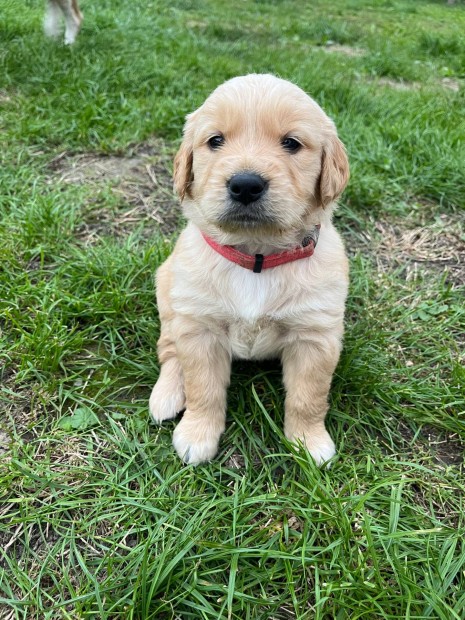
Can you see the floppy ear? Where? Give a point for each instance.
(334, 171)
(182, 169)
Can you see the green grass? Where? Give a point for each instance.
(98, 518)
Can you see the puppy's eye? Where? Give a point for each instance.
(291, 145)
(215, 142)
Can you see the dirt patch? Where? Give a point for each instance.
(445, 448)
(4, 97)
(23, 411)
(4, 445)
(140, 180)
(398, 84)
(236, 461)
(194, 23)
(438, 246)
(448, 83)
(346, 50)
(451, 84)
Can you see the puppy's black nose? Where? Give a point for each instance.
(246, 187)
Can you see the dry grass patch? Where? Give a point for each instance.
(345, 50)
(20, 408)
(398, 84)
(141, 180)
(4, 444)
(5, 97)
(438, 245)
(451, 84)
(404, 85)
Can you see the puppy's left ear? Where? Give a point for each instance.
(334, 172)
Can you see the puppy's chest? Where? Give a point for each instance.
(258, 311)
(255, 327)
(254, 297)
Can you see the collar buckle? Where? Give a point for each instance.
(258, 265)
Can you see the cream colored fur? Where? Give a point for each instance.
(213, 310)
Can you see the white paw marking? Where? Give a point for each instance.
(320, 445)
(193, 444)
(167, 398)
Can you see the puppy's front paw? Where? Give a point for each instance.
(167, 398)
(194, 441)
(317, 441)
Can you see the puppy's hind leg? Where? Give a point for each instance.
(167, 398)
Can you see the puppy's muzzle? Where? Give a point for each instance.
(246, 205)
(246, 187)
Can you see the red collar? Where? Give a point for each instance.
(258, 262)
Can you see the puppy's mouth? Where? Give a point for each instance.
(255, 215)
(246, 203)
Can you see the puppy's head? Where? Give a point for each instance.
(259, 156)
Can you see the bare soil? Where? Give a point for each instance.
(444, 447)
(346, 50)
(141, 182)
(437, 245)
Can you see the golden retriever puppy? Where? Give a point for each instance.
(259, 271)
(55, 10)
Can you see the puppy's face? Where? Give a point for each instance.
(258, 156)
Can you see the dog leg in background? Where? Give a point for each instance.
(72, 15)
(206, 363)
(73, 19)
(52, 19)
(307, 370)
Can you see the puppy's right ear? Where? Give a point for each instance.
(182, 170)
(183, 161)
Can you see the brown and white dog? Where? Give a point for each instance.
(55, 10)
(258, 171)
